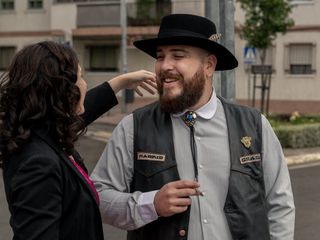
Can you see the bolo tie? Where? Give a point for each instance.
(189, 119)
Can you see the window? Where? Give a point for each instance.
(35, 4)
(6, 55)
(70, 1)
(6, 4)
(300, 58)
(102, 58)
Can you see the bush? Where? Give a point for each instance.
(292, 119)
(298, 136)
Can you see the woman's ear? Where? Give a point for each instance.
(210, 65)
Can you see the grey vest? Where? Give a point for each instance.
(245, 206)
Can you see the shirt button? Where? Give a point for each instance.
(205, 220)
(199, 138)
(182, 233)
(200, 166)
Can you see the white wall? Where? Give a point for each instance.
(64, 17)
(23, 19)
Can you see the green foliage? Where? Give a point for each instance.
(150, 12)
(292, 119)
(144, 7)
(298, 136)
(295, 130)
(263, 20)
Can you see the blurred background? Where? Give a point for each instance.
(282, 79)
(103, 39)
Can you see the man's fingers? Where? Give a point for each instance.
(184, 184)
(186, 192)
(178, 209)
(181, 202)
(174, 197)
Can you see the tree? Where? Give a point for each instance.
(263, 20)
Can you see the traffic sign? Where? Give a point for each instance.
(249, 55)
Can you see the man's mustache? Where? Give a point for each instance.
(166, 74)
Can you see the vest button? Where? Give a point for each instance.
(182, 233)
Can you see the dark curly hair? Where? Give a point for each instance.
(39, 88)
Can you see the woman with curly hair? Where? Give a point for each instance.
(44, 108)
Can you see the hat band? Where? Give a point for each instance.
(172, 32)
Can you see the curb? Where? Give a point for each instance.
(302, 159)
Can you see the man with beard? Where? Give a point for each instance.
(194, 166)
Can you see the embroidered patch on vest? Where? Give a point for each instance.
(246, 141)
(250, 158)
(151, 156)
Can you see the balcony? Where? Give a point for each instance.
(106, 14)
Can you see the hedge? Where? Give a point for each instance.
(298, 136)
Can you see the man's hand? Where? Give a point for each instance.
(174, 197)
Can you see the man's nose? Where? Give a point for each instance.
(167, 64)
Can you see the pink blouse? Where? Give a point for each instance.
(85, 175)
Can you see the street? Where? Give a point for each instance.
(306, 185)
(305, 182)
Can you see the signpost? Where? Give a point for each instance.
(222, 14)
(123, 23)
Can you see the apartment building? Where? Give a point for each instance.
(93, 28)
(294, 58)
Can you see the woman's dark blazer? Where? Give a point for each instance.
(48, 197)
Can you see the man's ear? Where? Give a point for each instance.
(210, 65)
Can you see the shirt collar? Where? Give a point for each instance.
(207, 111)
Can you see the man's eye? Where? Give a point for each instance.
(178, 56)
(159, 57)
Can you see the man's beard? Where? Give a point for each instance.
(192, 91)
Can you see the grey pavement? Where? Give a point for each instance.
(5, 231)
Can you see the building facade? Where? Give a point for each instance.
(93, 28)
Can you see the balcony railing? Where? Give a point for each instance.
(147, 13)
(108, 13)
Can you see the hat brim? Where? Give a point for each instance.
(225, 59)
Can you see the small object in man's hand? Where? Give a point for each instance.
(199, 193)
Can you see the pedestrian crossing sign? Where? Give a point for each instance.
(249, 55)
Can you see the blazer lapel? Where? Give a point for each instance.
(43, 134)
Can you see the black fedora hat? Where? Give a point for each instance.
(186, 29)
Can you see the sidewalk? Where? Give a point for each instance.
(114, 116)
(101, 130)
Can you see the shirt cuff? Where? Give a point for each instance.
(146, 207)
